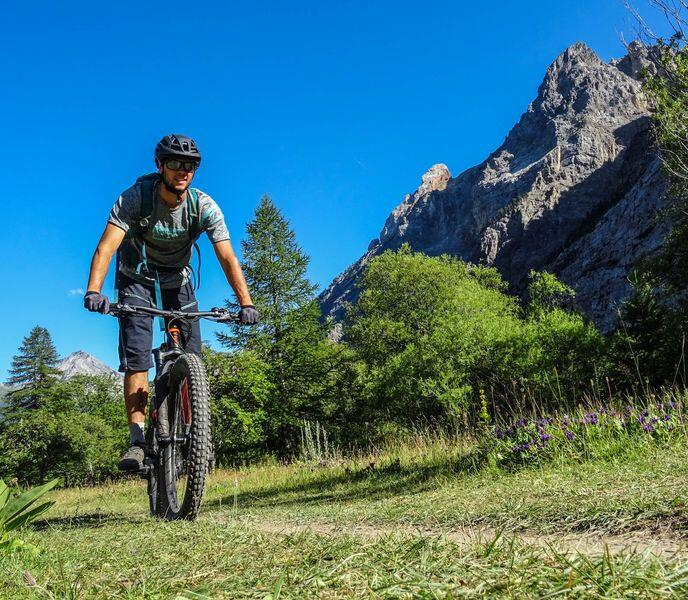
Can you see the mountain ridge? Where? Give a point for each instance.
(573, 190)
(74, 364)
(83, 363)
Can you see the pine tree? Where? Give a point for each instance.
(275, 269)
(290, 337)
(32, 368)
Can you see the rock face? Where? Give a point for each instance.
(82, 363)
(573, 190)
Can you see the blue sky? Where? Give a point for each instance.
(335, 109)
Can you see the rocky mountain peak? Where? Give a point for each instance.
(573, 190)
(575, 54)
(579, 81)
(83, 363)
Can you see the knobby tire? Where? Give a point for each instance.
(196, 453)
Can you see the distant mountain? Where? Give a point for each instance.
(83, 363)
(77, 363)
(5, 389)
(575, 189)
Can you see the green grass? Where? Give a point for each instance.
(98, 542)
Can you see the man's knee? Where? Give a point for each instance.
(136, 378)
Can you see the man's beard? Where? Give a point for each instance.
(173, 190)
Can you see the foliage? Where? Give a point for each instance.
(301, 366)
(547, 293)
(667, 88)
(432, 333)
(32, 369)
(15, 512)
(587, 433)
(76, 433)
(648, 343)
(240, 391)
(275, 270)
(40, 445)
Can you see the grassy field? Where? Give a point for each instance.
(411, 521)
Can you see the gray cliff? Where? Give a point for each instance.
(574, 189)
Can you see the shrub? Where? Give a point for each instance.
(40, 445)
(240, 390)
(433, 332)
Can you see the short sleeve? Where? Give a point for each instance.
(212, 220)
(126, 209)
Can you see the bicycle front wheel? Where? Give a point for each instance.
(184, 459)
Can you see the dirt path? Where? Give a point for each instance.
(663, 544)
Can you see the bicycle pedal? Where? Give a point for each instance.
(144, 472)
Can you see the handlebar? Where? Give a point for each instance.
(221, 315)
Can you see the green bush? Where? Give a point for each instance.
(240, 391)
(435, 334)
(41, 445)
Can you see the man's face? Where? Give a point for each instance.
(178, 180)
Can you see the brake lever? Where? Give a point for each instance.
(223, 315)
(120, 309)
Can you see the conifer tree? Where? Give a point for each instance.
(32, 368)
(290, 337)
(275, 269)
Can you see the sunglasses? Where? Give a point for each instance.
(181, 165)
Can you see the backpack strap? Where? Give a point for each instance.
(148, 183)
(195, 231)
(194, 215)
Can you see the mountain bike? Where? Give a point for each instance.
(178, 442)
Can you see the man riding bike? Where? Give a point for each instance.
(154, 226)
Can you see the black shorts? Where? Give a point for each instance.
(136, 331)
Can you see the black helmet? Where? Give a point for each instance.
(178, 146)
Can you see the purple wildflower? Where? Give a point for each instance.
(544, 437)
(569, 435)
(591, 418)
(667, 417)
(649, 428)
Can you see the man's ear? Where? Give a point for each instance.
(159, 165)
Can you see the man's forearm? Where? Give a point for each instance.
(100, 263)
(235, 278)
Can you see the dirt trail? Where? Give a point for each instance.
(662, 544)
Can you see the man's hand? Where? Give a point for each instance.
(248, 315)
(96, 302)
